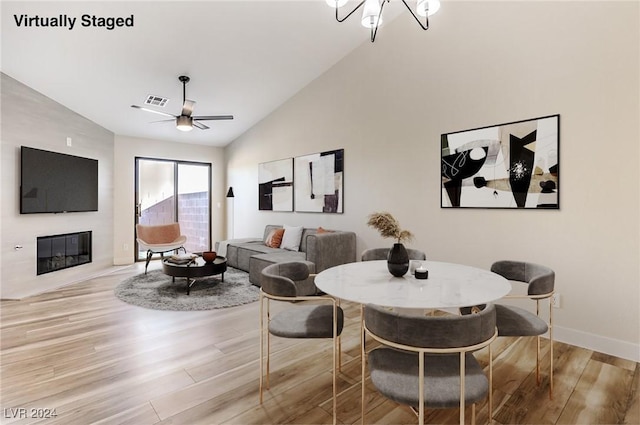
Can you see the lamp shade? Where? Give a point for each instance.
(371, 14)
(184, 123)
(427, 7)
(336, 3)
(230, 193)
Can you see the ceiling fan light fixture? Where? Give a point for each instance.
(184, 123)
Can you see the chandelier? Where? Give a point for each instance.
(372, 12)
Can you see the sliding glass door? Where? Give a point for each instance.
(169, 191)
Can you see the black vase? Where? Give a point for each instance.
(398, 260)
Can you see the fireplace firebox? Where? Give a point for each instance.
(57, 252)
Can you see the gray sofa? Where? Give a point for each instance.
(319, 250)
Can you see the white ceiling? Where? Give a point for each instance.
(244, 58)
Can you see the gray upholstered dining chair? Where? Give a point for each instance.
(427, 361)
(382, 253)
(516, 321)
(317, 320)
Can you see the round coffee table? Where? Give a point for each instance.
(196, 268)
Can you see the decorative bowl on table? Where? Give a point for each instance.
(209, 256)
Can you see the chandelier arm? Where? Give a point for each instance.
(426, 19)
(375, 31)
(350, 13)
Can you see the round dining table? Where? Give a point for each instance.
(448, 285)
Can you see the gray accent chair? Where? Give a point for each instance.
(516, 321)
(382, 254)
(427, 361)
(280, 282)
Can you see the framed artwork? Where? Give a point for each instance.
(275, 185)
(512, 165)
(319, 182)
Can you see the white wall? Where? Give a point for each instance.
(126, 150)
(31, 119)
(484, 63)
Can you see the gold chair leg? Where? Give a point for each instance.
(490, 384)
(462, 385)
(261, 344)
(421, 388)
(538, 347)
(362, 360)
(268, 345)
(473, 414)
(339, 346)
(550, 350)
(335, 353)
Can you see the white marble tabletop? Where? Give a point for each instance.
(448, 285)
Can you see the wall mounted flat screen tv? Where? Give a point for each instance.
(52, 182)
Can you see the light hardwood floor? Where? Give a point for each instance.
(96, 360)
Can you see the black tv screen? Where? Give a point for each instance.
(52, 182)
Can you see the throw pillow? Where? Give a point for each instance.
(321, 230)
(292, 237)
(274, 239)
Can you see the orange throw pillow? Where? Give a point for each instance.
(321, 230)
(275, 238)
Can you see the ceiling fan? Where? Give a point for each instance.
(185, 121)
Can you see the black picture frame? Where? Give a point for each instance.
(513, 165)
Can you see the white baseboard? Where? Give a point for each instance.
(613, 347)
(122, 261)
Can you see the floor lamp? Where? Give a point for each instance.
(230, 197)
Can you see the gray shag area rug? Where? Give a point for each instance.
(155, 290)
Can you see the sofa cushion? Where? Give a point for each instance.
(238, 255)
(292, 238)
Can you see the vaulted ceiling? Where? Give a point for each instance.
(244, 58)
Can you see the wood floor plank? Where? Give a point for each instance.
(633, 409)
(600, 396)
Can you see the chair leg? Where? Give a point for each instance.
(149, 254)
(261, 344)
(339, 346)
(490, 384)
(362, 361)
(550, 350)
(335, 354)
(462, 385)
(538, 347)
(268, 345)
(421, 388)
(473, 414)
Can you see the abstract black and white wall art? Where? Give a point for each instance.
(319, 182)
(512, 165)
(275, 185)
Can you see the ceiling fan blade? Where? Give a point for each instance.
(151, 110)
(200, 125)
(213, 117)
(187, 107)
(172, 120)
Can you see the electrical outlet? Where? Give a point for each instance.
(69, 141)
(125, 247)
(555, 300)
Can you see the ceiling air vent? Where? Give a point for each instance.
(156, 100)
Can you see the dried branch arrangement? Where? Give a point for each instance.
(389, 227)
